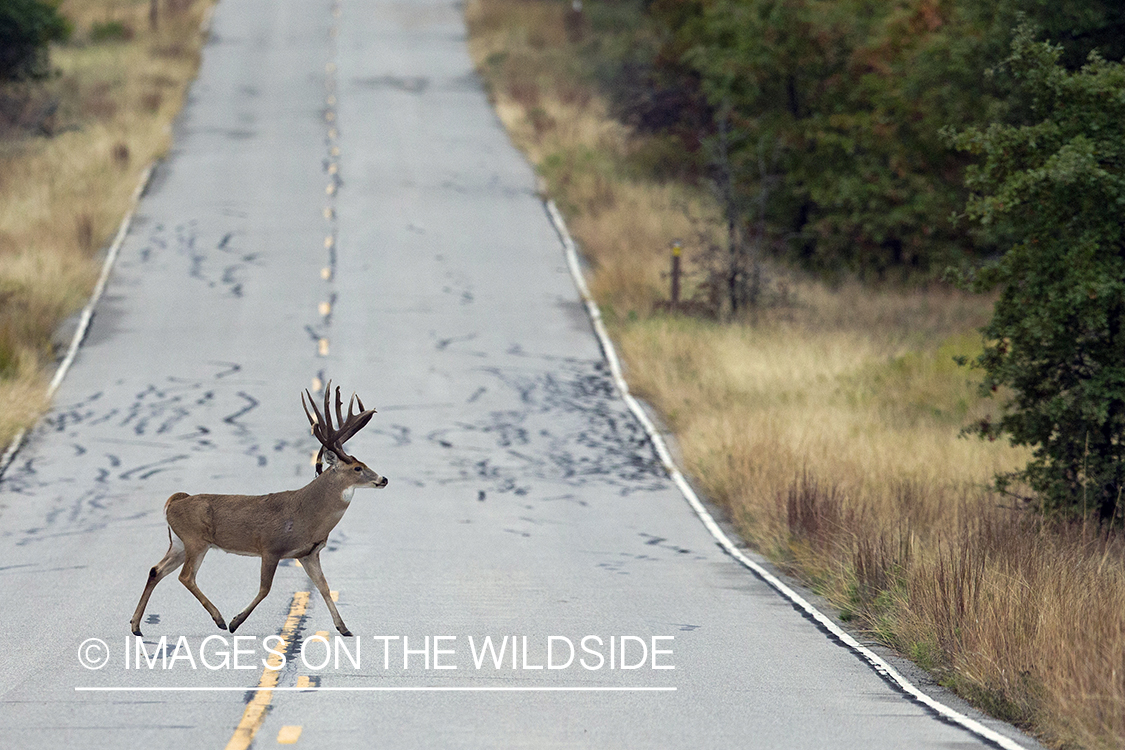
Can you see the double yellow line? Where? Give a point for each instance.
(255, 712)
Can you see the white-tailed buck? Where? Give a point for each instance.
(294, 523)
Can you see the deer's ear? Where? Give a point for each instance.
(331, 459)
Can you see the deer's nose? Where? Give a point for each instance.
(382, 482)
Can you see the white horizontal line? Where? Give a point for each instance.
(388, 689)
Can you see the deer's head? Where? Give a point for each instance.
(332, 438)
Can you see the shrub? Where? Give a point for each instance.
(110, 31)
(26, 28)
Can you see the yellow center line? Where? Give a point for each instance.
(255, 712)
(288, 735)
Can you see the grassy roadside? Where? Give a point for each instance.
(828, 426)
(72, 148)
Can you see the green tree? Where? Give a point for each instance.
(1078, 26)
(1055, 186)
(850, 95)
(26, 28)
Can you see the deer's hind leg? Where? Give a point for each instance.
(269, 567)
(172, 559)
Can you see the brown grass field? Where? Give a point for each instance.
(827, 426)
(66, 179)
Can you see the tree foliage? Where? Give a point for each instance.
(26, 28)
(848, 98)
(1055, 185)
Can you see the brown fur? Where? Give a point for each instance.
(280, 525)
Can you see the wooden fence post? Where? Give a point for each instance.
(676, 249)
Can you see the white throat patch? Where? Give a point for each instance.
(346, 495)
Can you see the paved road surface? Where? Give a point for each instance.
(345, 155)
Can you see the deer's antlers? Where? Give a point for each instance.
(333, 438)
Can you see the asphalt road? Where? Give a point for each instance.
(342, 203)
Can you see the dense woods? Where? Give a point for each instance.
(834, 110)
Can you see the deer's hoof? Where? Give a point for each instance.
(345, 631)
(136, 630)
(223, 626)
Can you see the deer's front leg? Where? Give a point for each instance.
(194, 558)
(311, 564)
(269, 567)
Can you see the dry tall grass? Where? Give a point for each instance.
(828, 426)
(66, 179)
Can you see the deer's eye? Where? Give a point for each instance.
(358, 469)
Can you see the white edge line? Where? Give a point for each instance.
(369, 689)
(13, 448)
(87, 314)
(880, 666)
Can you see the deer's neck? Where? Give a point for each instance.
(332, 486)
